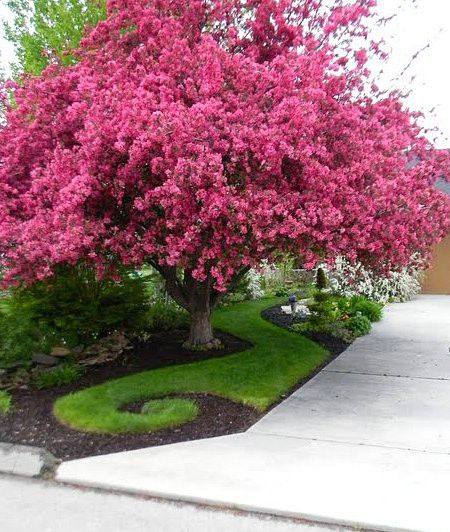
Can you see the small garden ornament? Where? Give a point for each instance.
(293, 302)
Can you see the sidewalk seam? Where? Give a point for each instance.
(445, 379)
(362, 444)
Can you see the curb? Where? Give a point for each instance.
(26, 461)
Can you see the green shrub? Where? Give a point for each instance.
(71, 308)
(58, 376)
(358, 325)
(166, 315)
(344, 318)
(360, 304)
(5, 402)
(303, 327)
(324, 309)
(321, 279)
(19, 336)
(232, 297)
(282, 292)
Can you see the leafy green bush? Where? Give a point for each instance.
(71, 308)
(358, 325)
(231, 298)
(282, 292)
(325, 309)
(166, 315)
(304, 327)
(344, 318)
(372, 310)
(5, 402)
(58, 376)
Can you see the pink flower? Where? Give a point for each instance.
(210, 142)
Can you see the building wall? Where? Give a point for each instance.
(437, 280)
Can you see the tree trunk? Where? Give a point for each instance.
(198, 298)
(201, 332)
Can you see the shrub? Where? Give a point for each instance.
(5, 402)
(344, 318)
(321, 279)
(232, 297)
(349, 279)
(324, 309)
(164, 315)
(254, 288)
(358, 325)
(336, 329)
(71, 308)
(303, 327)
(58, 376)
(282, 292)
(19, 336)
(249, 287)
(371, 309)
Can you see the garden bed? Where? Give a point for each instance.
(32, 421)
(334, 345)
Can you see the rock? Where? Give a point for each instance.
(46, 360)
(97, 360)
(25, 461)
(60, 351)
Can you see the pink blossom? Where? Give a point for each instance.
(208, 139)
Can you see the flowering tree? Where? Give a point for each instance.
(203, 136)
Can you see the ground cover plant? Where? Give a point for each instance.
(256, 377)
(202, 137)
(63, 374)
(5, 402)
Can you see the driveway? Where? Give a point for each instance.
(366, 442)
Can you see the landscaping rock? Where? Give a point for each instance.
(102, 358)
(78, 351)
(60, 351)
(46, 360)
(25, 461)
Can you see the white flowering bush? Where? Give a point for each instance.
(351, 279)
(254, 288)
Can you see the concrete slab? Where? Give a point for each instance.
(24, 460)
(367, 486)
(413, 340)
(34, 506)
(370, 409)
(427, 360)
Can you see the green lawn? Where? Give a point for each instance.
(255, 377)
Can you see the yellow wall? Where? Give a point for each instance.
(437, 280)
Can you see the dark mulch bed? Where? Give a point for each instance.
(32, 421)
(334, 345)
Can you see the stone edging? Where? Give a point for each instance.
(26, 461)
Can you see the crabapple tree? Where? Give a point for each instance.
(201, 137)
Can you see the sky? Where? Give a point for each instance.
(418, 25)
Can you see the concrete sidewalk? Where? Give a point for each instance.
(366, 442)
(30, 505)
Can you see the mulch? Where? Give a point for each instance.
(32, 423)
